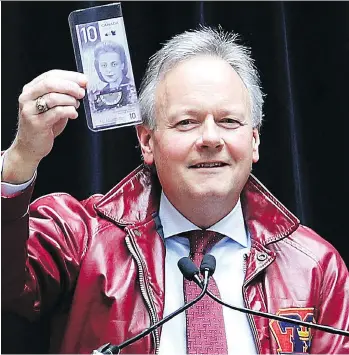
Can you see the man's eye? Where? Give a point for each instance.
(103, 65)
(184, 122)
(114, 64)
(230, 122)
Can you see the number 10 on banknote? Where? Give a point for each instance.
(101, 52)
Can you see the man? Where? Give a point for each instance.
(104, 269)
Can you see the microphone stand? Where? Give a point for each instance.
(325, 328)
(209, 263)
(115, 349)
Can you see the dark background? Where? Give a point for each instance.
(302, 52)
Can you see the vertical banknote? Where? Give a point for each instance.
(111, 92)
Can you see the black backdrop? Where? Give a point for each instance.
(302, 52)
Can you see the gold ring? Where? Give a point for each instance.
(41, 105)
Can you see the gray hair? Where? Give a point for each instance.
(204, 41)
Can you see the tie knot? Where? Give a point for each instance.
(201, 240)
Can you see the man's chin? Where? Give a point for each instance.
(207, 194)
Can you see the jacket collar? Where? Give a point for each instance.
(135, 200)
(267, 219)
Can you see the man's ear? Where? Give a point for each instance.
(145, 139)
(255, 145)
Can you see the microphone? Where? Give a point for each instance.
(209, 263)
(191, 273)
(189, 270)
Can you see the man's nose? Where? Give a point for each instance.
(210, 136)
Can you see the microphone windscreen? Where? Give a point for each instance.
(208, 263)
(188, 268)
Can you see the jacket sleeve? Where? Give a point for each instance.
(42, 248)
(334, 306)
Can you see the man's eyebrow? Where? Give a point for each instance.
(235, 111)
(182, 111)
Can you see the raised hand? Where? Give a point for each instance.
(45, 106)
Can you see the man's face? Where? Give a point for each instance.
(110, 66)
(204, 144)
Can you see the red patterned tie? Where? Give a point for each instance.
(205, 323)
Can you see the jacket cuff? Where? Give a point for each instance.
(17, 205)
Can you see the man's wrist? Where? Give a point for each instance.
(16, 170)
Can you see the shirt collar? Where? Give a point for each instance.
(174, 223)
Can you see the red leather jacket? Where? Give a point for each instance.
(97, 268)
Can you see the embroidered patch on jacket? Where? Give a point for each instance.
(292, 338)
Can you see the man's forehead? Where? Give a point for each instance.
(197, 82)
(200, 70)
(224, 110)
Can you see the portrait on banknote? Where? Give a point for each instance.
(103, 55)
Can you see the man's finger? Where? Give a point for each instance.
(76, 77)
(52, 85)
(53, 115)
(54, 99)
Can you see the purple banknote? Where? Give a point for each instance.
(102, 53)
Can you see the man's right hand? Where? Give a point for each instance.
(36, 132)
